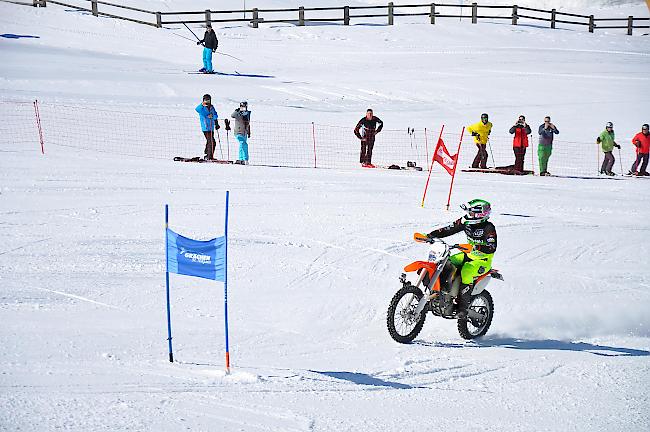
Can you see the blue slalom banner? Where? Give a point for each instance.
(204, 259)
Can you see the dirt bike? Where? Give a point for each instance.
(440, 281)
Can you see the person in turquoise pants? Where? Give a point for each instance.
(482, 235)
(242, 131)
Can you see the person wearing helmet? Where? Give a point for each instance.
(607, 143)
(482, 235)
(642, 143)
(481, 132)
(242, 131)
(208, 116)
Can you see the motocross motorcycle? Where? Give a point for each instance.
(436, 290)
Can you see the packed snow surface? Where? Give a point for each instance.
(315, 255)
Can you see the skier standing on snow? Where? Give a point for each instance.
(607, 142)
(366, 130)
(482, 235)
(521, 129)
(545, 148)
(208, 116)
(481, 132)
(210, 44)
(242, 131)
(642, 143)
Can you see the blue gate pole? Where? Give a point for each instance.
(169, 321)
(225, 287)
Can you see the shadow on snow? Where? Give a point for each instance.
(363, 379)
(544, 344)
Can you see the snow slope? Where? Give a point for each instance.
(315, 255)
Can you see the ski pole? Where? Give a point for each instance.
(236, 58)
(220, 149)
(619, 160)
(197, 38)
(491, 154)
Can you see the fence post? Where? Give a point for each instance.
(390, 13)
(591, 23)
(256, 18)
(630, 25)
(474, 13)
(553, 13)
(208, 18)
(514, 15)
(346, 15)
(301, 16)
(433, 13)
(158, 19)
(93, 6)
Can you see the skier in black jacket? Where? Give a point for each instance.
(210, 44)
(371, 126)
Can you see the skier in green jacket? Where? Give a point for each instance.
(607, 143)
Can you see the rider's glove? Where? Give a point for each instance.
(432, 235)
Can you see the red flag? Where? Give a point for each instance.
(444, 158)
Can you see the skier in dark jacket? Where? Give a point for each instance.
(521, 129)
(482, 235)
(366, 129)
(210, 44)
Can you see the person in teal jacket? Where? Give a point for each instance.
(208, 116)
(607, 142)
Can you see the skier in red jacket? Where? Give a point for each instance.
(521, 129)
(642, 143)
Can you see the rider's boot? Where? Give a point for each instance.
(464, 299)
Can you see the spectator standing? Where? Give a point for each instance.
(607, 142)
(521, 129)
(546, 133)
(642, 143)
(210, 44)
(481, 132)
(242, 131)
(366, 130)
(208, 116)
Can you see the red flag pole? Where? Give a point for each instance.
(455, 166)
(431, 166)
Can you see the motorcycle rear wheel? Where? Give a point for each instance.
(472, 329)
(403, 325)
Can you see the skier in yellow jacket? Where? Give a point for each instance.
(481, 131)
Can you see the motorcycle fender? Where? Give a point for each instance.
(481, 283)
(417, 265)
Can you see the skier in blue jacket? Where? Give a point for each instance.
(209, 122)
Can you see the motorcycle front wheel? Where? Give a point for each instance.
(474, 327)
(402, 322)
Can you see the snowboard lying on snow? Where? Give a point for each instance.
(506, 170)
(201, 160)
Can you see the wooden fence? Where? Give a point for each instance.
(305, 15)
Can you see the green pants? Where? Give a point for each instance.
(543, 153)
(471, 269)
